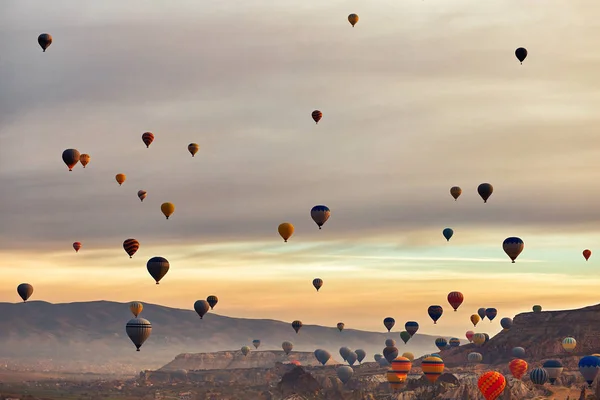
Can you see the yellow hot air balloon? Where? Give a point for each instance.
(353, 19)
(193, 148)
(569, 344)
(84, 159)
(409, 355)
(136, 308)
(167, 209)
(475, 319)
(286, 230)
(120, 178)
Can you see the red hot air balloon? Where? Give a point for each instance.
(518, 367)
(317, 115)
(587, 253)
(491, 385)
(77, 246)
(147, 138)
(455, 299)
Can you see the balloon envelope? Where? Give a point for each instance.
(158, 267)
(25, 290)
(448, 232)
(344, 373)
(138, 330)
(491, 385)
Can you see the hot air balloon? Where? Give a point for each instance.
(142, 195)
(316, 116)
(351, 358)
(193, 148)
(589, 367)
(518, 367)
(554, 368)
(245, 350)
(201, 307)
(518, 352)
(475, 319)
(569, 344)
(287, 347)
(491, 385)
(360, 355)
(138, 330)
(441, 343)
(455, 192)
(71, 158)
(475, 357)
(395, 380)
(158, 267)
(455, 299)
(454, 342)
(506, 323)
(491, 313)
(120, 178)
(212, 301)
(479, 339)
(390, 343)
(84, 159)
(297, 325)
(435, 312)
(513, 246)
(469, 336)
(448, 232)
(147, 138)
(45, 40)
(322, 356)
(340, 326)
(353, 19)
(481, 313)
(131, 246)
(538, 376)
(383, 362)
(411, 327)
(521, 54)
(286, 230)
(378, 357)
(344, 351)
(409, 355)
(487, 337)
(25, 290)
(405, 336)
(389, 323)
(344, 373)
(432, 368)
(167, 209)
(537, 309)
(295, 362)
(320, 214)
(77, 246)
(398, 373)
(390, 353)
(586, 254)
(317, 283)
(256, 343)
(485, 190)
(136, 308)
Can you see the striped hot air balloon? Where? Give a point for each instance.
(398, 373)
(138, 330)
(316, 116)
(389, 323)
(479, 339)
(317, 283)
(297, 325)
(454, 342)
(569, 344)
(147, 138)
(475, 357)
(411, 327)
(131, 246)
(441, 343)
(432, 368)
(538, 376)
(212, 301)
(518, 367)
(491, 385)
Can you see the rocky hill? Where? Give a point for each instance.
(90, 336)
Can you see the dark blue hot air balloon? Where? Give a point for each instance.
(506, 323)
(435, 312)
(454, 342)
(491, 313)
(448, 232)
(389, 323)
(411, 327)
(538, 376)
(441, 343)
(554, 368)
(518, 352)
(589, 367)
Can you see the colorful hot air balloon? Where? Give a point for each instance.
(131, 246)
(479, 339)
(77, 246)
(521, 54)
(455, 299)
(554, 368)
(405, 336)
(589, 367)
(245, 350)
(316, 116)
(353, 19)
(84, 159)
(287, 347)
(448, 232)
(506, 323)
(120, 178)
(25, 290)
(517, 368)
(454, 342)
(569, 344)
(586, 254)
(286, 230)
(136, 308)
(537, 309)
(167, 209)
(432, 368)
(481, 313)
(491, 385)
(441, 343)
(138, 330)
(71, 158)
(320, 214)
(485, 190)
(158, 267)
(435, 312)
(212, 301)
(147, 138)
(389, 323)
(469, 336)
(142, 195)
(360, 355)
(317, 283)
(344, 373)
(409, 355)
(398, 373)
(475, 357)
(455, 192)
(44, 40)
(297, 325)
(475, 319)
(390, 353)
(340, 326)
(513, 246)
(518, 352)
(411, 327)
(201, 307)
(193, 148)
(538, 376)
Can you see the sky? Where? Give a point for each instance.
(418, 97)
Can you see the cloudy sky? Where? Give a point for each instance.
(418, 97)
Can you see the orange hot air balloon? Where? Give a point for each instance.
(491, 385)
(587, 253)
(148, 138)
(84, 159)
(475, 318)
(432, 368)
(518, 367)
(120, 178)
(77, 246)
(286, 230)
(317, 115)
